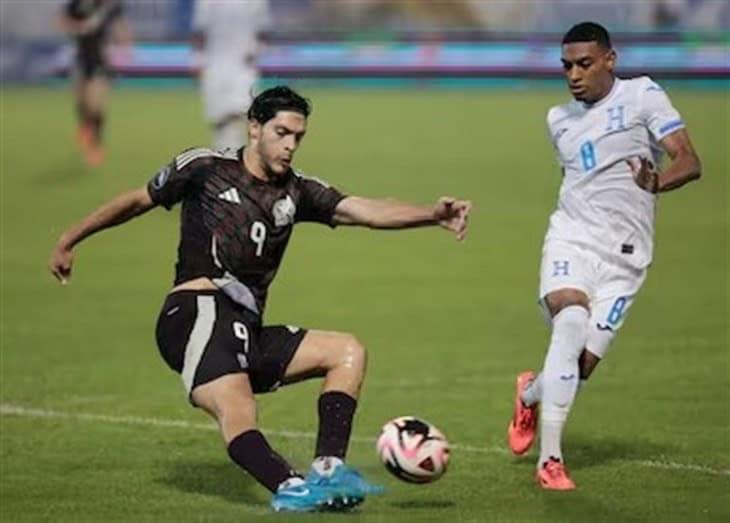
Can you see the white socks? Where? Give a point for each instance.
(291, 482)
(533, 392)
(560, 377)
(326, 465)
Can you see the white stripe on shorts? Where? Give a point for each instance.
(199, 337)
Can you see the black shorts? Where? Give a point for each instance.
(91, 63)
(204, 335)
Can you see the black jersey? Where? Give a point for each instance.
(235, 227)
(107, 11)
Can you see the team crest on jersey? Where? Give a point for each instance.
(284, 211)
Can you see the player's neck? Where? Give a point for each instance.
(606, 93)
(253, 164)
(608, 90)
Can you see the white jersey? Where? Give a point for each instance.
(228, 68)
(231, 28)
(600, 205)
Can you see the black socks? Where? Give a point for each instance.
(252, 453)
(336, 410)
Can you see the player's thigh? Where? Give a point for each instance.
(567, 277)
(614, 297)
(321, 351)
(227, 395)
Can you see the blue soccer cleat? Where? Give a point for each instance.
(345, 481)
(312, 497)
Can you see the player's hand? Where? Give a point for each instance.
(645, 174)
(62, 260)
(453, 215)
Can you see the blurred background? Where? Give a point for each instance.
(393, 39)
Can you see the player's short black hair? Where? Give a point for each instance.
(588, 32)
(280, 98)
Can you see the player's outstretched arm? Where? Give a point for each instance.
(449, 213)
(117, 211)
(685, 165)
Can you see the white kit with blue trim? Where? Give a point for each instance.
(600, 205)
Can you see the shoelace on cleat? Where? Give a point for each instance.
(555, 469)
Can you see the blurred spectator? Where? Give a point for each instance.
(91, 23)
(226, 35)
(698, 15)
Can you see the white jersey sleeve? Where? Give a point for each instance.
(552, 139)
(659, 115)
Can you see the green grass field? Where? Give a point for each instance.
(95, 427)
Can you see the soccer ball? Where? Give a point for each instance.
(413, 450)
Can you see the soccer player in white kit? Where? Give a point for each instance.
(609, 141)
(226, 35)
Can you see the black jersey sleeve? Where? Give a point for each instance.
(318, 201)
(180, 178)
(110, 11)
(116, 11)
(72, 9)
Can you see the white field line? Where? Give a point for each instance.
(7, 409)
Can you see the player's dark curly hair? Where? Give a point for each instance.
(280, 98)
(588, 32)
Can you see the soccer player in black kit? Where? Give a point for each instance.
(91, 23)
(238, 211)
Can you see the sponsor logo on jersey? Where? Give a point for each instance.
(230, 195)
(284, 211)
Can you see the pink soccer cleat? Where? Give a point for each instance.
(522, 428)
(552, 475)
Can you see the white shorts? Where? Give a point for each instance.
(227, 90)
(610, 287)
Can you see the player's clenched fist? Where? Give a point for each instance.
(645, 174)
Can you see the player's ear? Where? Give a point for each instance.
(254, 130)
(611, 58)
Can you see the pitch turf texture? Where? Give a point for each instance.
(95, 427)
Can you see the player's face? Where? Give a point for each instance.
(588, 69)
(278, 139)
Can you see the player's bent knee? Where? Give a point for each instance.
(558, 300)
(587, 363)
(226, 395)
(352, 353)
